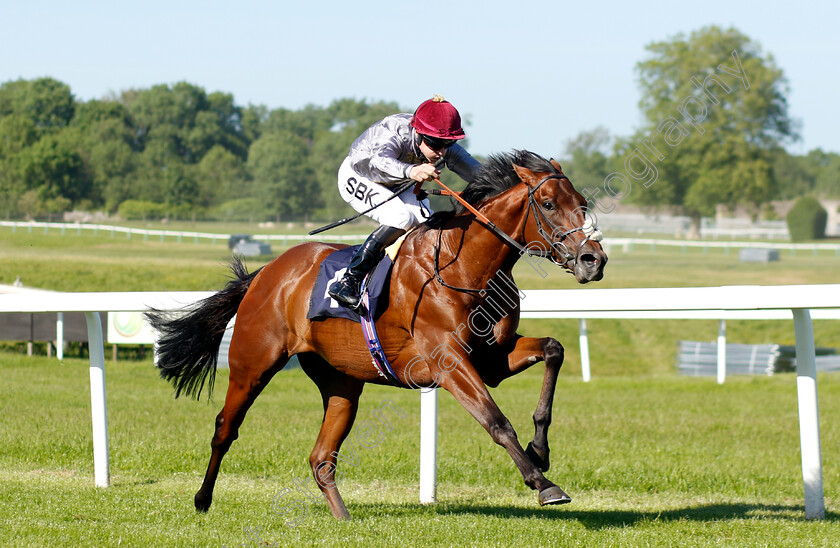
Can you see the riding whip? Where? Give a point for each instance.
(400, 189)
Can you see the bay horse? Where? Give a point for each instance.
(438, 329)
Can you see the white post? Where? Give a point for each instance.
(59, 336)
(809, 415)
(721, 352)
(584, 351)
(428, 445)
(99, 413)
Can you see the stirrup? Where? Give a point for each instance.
(343, 292)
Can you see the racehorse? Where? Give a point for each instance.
(450, 321)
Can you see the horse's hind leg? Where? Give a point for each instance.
(340, 395)
(246, 383)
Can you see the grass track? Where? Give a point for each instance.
(659, 460)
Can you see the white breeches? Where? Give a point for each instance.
(405, 211)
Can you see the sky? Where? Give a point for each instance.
(526, 74)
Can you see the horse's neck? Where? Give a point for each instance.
(481, 252)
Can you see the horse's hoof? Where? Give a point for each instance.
(202, 506)
(540, 461)
(554, 495)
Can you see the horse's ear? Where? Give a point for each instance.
(556, 165)
(524, 173)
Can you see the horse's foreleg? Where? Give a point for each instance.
(553, 355)
(340, 395)
(527, 351)
(466, 385)
(242, 391)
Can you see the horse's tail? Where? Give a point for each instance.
(189, 339)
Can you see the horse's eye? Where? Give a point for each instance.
(548, 206)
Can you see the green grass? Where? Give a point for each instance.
(649, 458)
(101, 262)
(659, 460)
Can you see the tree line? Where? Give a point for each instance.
(715, 128)
(174, 151)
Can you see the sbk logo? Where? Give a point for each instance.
(360, 191)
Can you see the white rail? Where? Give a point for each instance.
(795, 301)
(91, 304)
(550, 303)
(629, 244)
(162, 235)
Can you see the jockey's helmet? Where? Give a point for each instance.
(436, 117)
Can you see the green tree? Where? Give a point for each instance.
(305, 123)
(221, 176)
(322, 140)
(587, 158)
(17, 133)
(176, 146)
(253, 118)
(825, 167)
(716, 111)
(282, 179)
(47, 102)
(794, 175)
(180, 190)
(325, 157)
(106, 141)
(219, 124)
(31, 204)
(191, 121)
(175, 128)
(54, 169)
(159, 153)
(29, 111)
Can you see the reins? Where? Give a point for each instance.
(567, 255)
(487, 223)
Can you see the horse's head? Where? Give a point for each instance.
(558, 226)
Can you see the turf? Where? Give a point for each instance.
(660, 460)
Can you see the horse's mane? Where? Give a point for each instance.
(494, 177)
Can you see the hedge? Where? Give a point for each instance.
(807, 220)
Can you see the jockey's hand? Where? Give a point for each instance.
(424, 172)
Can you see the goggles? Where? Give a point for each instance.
(436, 143)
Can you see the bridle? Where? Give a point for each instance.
(558, 253)
(557, 246)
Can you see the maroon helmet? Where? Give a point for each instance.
(436, 117)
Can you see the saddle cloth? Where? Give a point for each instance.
(322, 306)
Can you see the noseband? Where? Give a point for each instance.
(558, 250)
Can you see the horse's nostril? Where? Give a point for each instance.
(589, 259)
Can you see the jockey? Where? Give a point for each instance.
(396, 149)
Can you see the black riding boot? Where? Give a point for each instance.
(347, 289)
